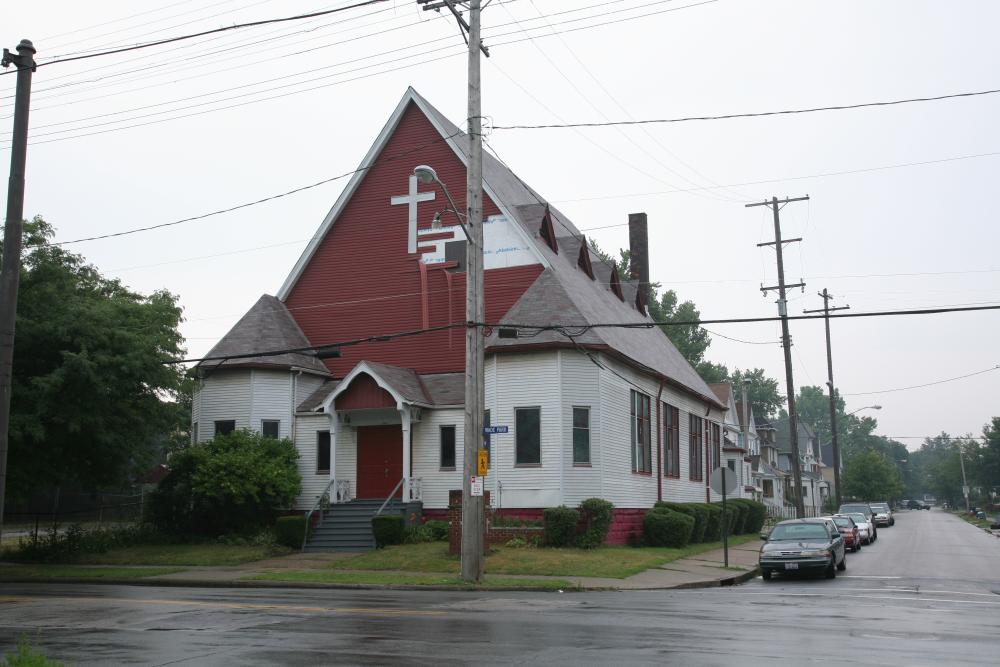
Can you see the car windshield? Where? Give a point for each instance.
(859, 518)
(798, 531)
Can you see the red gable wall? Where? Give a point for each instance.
(364, 393)
(362, 282)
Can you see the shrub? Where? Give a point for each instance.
(597, 516)
(663, 528)
(290, 531)
(693, 510)
(234, 483)
(387, 530)
(65, 546)
(438, 530)
(713, 522)
(756, 516)
(560, 526)
(417, 534)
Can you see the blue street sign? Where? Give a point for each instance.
(487, 430)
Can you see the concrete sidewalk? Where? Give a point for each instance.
(701, 571)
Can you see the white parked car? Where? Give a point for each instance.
(865, 528)
(883, 514)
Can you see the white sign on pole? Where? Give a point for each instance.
(965, 491)
(477, 486)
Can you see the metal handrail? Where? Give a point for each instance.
(391, 494)
(319, 501)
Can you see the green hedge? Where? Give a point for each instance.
(693, 510)
(713, 525)
(289, 531)
(597, 515)
(387, 530)
(737, 515)
(664, 528)
(756, 516)
(560, 526)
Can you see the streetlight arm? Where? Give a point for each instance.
(427, 174)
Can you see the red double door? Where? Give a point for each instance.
(380, 460)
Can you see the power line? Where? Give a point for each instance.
(257, 201)
(564, 329)
(758, 114)
(171, 40)
(927, 384)
(746, 342)
(776, 180)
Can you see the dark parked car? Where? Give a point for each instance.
(849, 531)
(803, 545)
(862, 508)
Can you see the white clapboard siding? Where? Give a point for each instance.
(581, 388)
(272, 395)
(305, 385)
(526, 380)
(426, 456)
(224, 395)
(623, 487)
(313, 483)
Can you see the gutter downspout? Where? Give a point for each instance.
(659, 447)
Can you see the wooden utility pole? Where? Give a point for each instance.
(473, 514)
(786, 342)
(826, 310)
(473, 518)
(10, 270)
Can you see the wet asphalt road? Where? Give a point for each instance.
(927, 593)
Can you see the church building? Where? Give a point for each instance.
(608, 412)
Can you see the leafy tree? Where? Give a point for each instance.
(232, 483)
(762, 394)
(91, 392)
(871, 476)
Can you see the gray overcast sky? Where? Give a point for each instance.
(272, 108)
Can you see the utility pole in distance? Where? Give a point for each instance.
(10, 270)
(473, 515)
(826, 310)
(786, 343)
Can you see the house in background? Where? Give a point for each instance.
(750, 441)
(772, 480)
(815, 490)
(615, 413)
(735, 452)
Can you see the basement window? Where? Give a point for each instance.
(270, 428)
(225, 426)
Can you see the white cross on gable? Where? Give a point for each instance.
(412, 199)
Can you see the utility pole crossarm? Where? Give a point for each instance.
(795, 240)
(450, 4)
(775, 201)
(780, 287)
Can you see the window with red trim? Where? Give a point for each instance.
(641, 451)
(695, 458)
(671, 441)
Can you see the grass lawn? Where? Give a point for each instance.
(981, 523)
(76, 571)
(388, 578)
(181, 554)
(613, 562)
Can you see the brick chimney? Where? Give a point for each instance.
(638, 246)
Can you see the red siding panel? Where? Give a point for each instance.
(362, 282)
(364, 393)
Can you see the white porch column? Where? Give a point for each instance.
(332, 416)
(404, 421)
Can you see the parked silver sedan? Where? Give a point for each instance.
(865, 527)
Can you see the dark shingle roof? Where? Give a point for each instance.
(723, 390)
(266, 326)
(315, 399)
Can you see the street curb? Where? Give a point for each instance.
(251, 584)
(734, 580)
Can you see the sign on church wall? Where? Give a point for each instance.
(503, 246)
